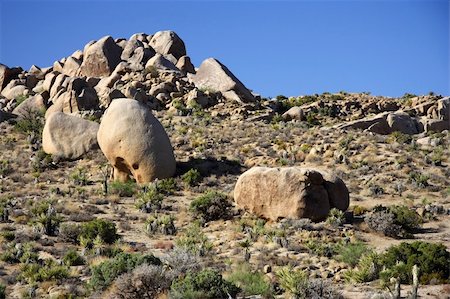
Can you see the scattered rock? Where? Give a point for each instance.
(294, 113)
(168, 42)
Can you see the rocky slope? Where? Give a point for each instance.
(388, 151)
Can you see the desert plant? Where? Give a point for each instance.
(394, 221)
(206, 284)
(211, 205)
(250, 282)
(149, 200)
(104, 273)
(80, 176)
(46, 221)
(72, 258)
(47, 270)
(418, 179)
(104, 229)
(144, 282)
(166, 186)
(5, 168)
(163, 224)
(335, 217)
(123, 189)
(31, 123)
(192, 177)
(367, 269)
(2, 291)
(294, 282)
(432, 260)
(5, 205)
(194, 240)
(351, 252)
(69, 232)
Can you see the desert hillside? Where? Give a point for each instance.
(128, 172)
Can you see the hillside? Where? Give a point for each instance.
(392, 154)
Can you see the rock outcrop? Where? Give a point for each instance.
(214, 75)
(101, 58)
(291, 192)
(69, 137)
(135, 142)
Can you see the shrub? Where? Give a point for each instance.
(432, 260)
(166, 186)
(351, 253)
(400, 137)
(145, 281)
(15, 253)
(126, 189)
(211, 205)
(70, 233)
(394, 221)
(46, 219)
(5, 204)
(31, 123)
(160, 224)
(206, 284)
(105, 273)
(250, 282)
(5, 168)
(418, 179)
(182, 261)
(293, 281)
(192, 177)
(103, 229)
(194, 240)
(323, 289)
(335, 217)
(80, 176)
(368, 269)
(72, 258)
(2, 291)
(149, 200)
(48, 270)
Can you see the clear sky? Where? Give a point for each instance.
(274, 47)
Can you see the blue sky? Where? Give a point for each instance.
(274, 47)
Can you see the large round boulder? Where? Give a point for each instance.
(290, 192)
(135, 142)
(67, 136)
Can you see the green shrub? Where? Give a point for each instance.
(351, 253)
(105, 273)
(192, 177)
(103, 229)
(432, 260)
(2, 291)
(250, 282)
(22, 252)
(335, 217)
(126, 189)
(149, 200)
(48, 270)
(72, 258)
(394, 221)
(400, 137)
(31, 123)
(368, 269)
(163, 224)
(194, 240)
(293, 281)
(5, 168)
(69, 232)
(166, 186)
(211, 205)
(418, 179)
(80, 176)
(206, 284)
